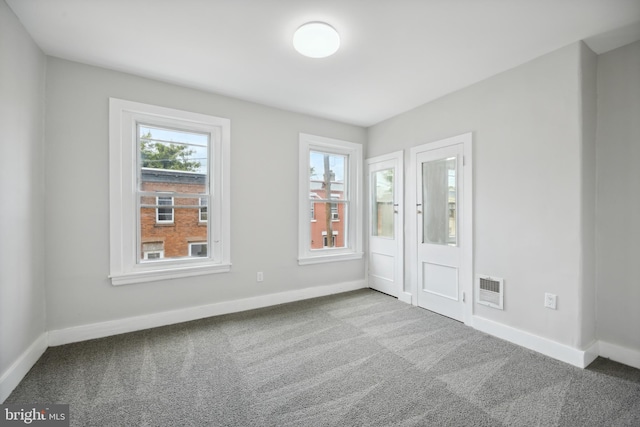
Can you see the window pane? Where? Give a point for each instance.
(382, 216)
(173, 166)
(172, 160)
(167, 240)
(439, 199)
(325, 226)
(327, 173)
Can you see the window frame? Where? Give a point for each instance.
(124, 116)
(352, 188)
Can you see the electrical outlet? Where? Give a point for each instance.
(260, 276)
(550, 300)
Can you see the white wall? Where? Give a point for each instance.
(528, 179)
(22, 292)
(264, 182)
(618, 198)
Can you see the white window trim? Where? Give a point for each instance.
(124, 245)
(353, 222)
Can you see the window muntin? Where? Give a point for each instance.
(203, 163)
(330, 186)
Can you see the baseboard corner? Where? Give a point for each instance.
(620, 354)
(10, 379)
(550, 348)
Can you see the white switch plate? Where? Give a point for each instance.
(550, 300)
(260, 276)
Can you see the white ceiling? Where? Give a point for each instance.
(394, 55)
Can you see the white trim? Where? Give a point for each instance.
(352, 198)
(17, 371)
(553, 349)
(131, 324)
(405, 297)
(168, 273)
(618, 353)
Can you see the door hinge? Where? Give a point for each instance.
(463, 297)
(464, 161)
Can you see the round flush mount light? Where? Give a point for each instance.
(316, 40)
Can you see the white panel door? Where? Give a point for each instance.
(385, 223)
(440, 210)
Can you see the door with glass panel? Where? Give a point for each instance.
(439, 209)
(385, 223)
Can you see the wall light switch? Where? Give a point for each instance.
(260, 276)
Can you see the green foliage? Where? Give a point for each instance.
(166, 156)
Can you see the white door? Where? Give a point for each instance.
(442, 262)
(385, 223)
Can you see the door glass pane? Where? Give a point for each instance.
(382, 217)
(439, 199)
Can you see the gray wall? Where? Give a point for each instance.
(528, 180)
(264, 203)
(22, 292)
(618, 197)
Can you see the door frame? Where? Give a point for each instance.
(398, 158)
(466, 225)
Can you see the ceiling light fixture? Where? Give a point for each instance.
(316, 40)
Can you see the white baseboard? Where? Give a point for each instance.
(556, 350)
(16, 372)
(404, 297)
(619, 354)
(137, 323)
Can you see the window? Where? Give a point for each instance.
(334, 208)
(330, 184)
(180, 171)
(203, 210)
(198, 249)
(153, 250)
(164, 215)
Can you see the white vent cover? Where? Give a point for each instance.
(490, 291)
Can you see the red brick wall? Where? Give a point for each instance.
(186, 227)
(320, 223)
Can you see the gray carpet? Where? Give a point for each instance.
(356, 359)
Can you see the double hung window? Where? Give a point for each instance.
(169, 174)
(331, 188)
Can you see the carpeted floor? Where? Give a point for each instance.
(355, 359)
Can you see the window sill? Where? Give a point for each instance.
(319, 259)
(166, 274)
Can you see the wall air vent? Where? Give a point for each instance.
(490, 291)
